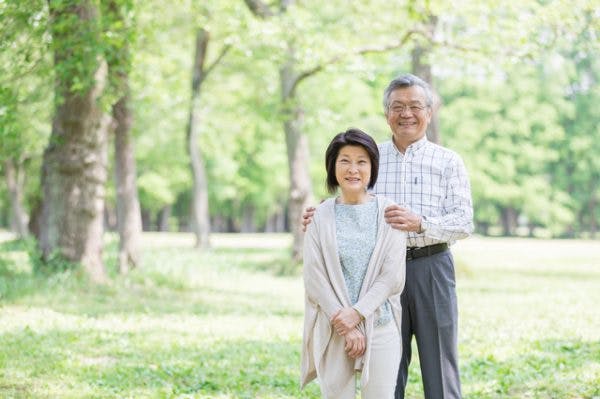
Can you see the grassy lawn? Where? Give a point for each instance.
(227, 323)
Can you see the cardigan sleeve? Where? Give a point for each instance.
(317, 283)
(391, 278)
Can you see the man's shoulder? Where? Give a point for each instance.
(445, 152)
(385, 148)
(385, 145)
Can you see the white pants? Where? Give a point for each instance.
(383, 366)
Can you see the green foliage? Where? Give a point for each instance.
(26, 78)
(506, 137)
(224, 324)
(519, 84)
(76, 42)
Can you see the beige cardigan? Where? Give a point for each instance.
(326, 293)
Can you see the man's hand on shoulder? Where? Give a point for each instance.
(402, 218)
(307, 217)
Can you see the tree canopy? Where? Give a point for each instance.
(518, 85)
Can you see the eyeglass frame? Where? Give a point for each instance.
(400, 108)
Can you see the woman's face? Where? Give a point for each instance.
(353, 169)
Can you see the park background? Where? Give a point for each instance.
(157, 155)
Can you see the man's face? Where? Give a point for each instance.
(408, 114)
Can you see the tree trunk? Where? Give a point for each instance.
(483, 228)
(199, 207)
(592, 204)
(163, 218)
(110, 218)
(74, 162)
(73, 181)
(531, 230)
(275, 222)
(509, 221)
(422, 68)
(15, 182)
(147, 220)
(248, 222)
(129, 218)
(300, 194)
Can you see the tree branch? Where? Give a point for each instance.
(363, 50)
(222, 54)
(259, 8)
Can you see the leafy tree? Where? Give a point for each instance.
(577, 169)
(495, 128)
(75, 160)
(24, 102)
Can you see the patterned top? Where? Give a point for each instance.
(356, 234)
(432, 181)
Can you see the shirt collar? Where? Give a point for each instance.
(413, 147)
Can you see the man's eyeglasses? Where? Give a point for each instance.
(401, 108)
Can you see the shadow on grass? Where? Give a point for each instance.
(242, 369)
(276, 262)
(161, 285)
(100, 363)
(546, 368)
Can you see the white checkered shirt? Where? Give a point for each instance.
(432, 181)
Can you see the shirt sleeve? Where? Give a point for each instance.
(456, 221)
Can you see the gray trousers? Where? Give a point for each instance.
(430, 313)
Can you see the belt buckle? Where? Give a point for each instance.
(409, 253)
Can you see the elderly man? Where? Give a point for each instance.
(430, 186)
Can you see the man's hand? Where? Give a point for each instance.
(307, 217)
(345, 320)
(401, 218)
(355, 344)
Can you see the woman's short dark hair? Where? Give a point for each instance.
(356, 137)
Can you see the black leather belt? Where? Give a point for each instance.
(419, 252)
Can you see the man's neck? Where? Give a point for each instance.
(403, 145)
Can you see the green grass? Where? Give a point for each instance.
(227, 323)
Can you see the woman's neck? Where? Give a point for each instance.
(353, 198)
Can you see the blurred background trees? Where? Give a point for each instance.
(241, 148)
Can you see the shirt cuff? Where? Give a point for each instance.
(425, 225)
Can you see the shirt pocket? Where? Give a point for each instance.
(430, 190)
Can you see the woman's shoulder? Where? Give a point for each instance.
(325, 209)
(325, 205)
(383, 202)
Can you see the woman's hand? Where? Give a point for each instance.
(345, 320)
(355, 344)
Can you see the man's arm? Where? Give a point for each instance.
(456, 220)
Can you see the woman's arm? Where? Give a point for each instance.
(316, 279)
(390, 281)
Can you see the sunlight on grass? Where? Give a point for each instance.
(226, 323)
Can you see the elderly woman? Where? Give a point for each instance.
(354, 270)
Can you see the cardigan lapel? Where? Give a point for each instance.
(332, 261)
